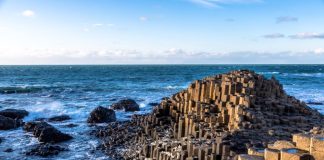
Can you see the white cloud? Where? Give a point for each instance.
(283, 19)
(308, 35)
(319, 51)
(143, 18)
(28, 13)
(110, 25)
(214, 3)
(170, 56)
(274, 36)
(97, 25)
(85, 29)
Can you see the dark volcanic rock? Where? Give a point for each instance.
(45, 132)
(14, 113)
(315, 103)
(102, 115)
(9, 123)
(127, 132)
(71, 125)
(45, 150)
(59, 118)
(128, 105)
(40, 119)
(153, 104)
(8, 150)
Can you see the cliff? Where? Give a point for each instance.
(219, 117)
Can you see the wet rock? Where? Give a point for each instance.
(7, 123)
(45, 150)
(59, 118)
(153, 104)
(315, 103)
(46, 132)
(8, 150)
(40, 119)
(14, 113)
(102, 115)
(128, 105)
(71, 125)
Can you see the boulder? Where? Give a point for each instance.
(102, 115)
(8, 150)
(153, 104)
(128, 105)
(45, 132)
(59, 118)
(315, 103)
(14, 113)
(45, 150)
(9, 123)
(71, 125)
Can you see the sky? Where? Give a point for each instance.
(161, 31)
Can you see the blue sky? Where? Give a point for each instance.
(161, 31)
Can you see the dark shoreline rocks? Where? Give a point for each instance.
(8, 150)
(14, 113)
(315, 103)
(102, 115)
(128, 105)
(7, 123)
(153, 104)
(59, 118)
(45, 132)
(45, 150)
(219, 117)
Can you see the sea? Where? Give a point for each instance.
(75, 90)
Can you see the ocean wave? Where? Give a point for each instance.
(269, 72)
(318, 75)
(17, 90)
(175, 87)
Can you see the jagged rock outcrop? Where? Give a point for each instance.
(59, 118)
(128, 105)
(218, 117)
(7, 123)
(304, 146)
(14, 113)
(102, 115)
(45, 150)
(45, 132)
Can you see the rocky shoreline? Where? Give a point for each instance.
(238, 115)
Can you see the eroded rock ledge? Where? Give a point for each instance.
(219, 117)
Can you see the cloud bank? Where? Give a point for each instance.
(171, 56)
(214, 3)
(274, 36)
(308, 35)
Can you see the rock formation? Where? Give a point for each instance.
(102, 115)
(7, 123)
(45, 150)
(14, 113)
(219, 117)
(304, 146)
(59, 118)
(45, 132)
(128, 105)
